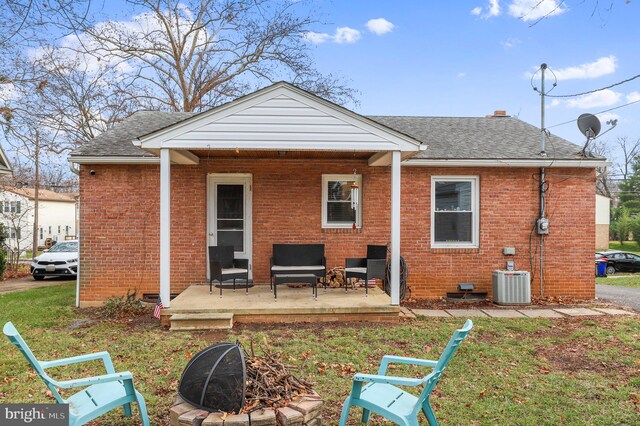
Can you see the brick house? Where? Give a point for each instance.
(449, 194)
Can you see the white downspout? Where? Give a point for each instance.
(165, 227)
(395, 228)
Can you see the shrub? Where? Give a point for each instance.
(123, 307)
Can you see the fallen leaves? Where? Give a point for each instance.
(341, 370)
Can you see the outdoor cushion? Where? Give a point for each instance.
(296, 268)
(233, 270)
(356, 270)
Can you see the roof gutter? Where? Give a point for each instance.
(547, 162)
(113, 160)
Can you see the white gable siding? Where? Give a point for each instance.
(281, 119)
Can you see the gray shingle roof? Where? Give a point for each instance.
(445, 137)
(116, 142)
(479, 138)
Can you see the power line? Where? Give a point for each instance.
(591, 91)
(601, 112)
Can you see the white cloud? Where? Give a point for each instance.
(379, 26)
(603, 66)
(532, 10)
(491, 9)
(633, 97)
(342, 35)
(461, 74)
(316, 38)
(346, 35)
(603, 98)
(494, 8)
(510, 42)
(553, 103)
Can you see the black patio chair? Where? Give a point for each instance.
(372, 266)
(223, 266)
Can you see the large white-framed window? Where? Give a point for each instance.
(455, 212)
(337, 211)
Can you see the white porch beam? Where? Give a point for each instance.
(395, 228)
(380, 159)
(165, 227)
(184, 157)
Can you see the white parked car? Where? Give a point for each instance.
(61, 260)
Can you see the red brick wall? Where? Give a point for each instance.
(119, 224)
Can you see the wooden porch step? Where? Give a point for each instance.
(201, 321)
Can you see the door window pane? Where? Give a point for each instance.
(231, 238)
(230, 216)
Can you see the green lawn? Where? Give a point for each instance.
(569, 371)
(632, 281)
(630, 246)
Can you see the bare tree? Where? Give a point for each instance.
(23, 21)
(604, 183)
(630, 151)
(193, 55)
(543, 9)
(33, 134)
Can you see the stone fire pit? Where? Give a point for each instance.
(302, 411)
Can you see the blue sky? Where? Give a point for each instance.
(469, 58)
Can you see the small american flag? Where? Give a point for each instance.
(157, 308)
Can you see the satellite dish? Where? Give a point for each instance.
(589, 125)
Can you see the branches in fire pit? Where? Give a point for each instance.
(269, 383)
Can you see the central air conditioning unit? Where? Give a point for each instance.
(511, 287)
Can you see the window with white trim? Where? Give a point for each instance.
(337, 209)
(455, 214)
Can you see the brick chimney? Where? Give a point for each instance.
(498, 113)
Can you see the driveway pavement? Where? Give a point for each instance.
(26, 283)
(621, 295)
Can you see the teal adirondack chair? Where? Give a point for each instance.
(379, 395)
(101, 394)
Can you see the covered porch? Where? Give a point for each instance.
(196, 309)
(235, 147)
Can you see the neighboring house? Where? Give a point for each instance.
(56, 216)
(276, 166)
(603, 211)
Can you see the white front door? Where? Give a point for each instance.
(229, 213)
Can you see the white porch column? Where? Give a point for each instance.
(165, 226)
(395, 228)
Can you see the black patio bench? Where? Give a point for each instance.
(293, 263)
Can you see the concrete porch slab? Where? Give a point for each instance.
(293, 305)
(503, 313)
(578, 312)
